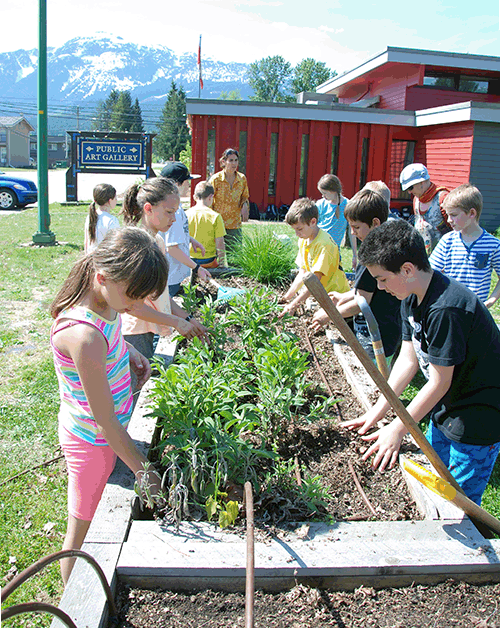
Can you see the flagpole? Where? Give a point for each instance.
(200, 80)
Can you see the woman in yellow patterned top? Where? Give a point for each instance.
(231, 195)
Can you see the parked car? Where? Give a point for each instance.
(16, 191)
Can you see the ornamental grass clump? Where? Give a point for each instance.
(263, 256)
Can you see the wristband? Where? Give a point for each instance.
(188, 318)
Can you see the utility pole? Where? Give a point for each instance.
(43, 236)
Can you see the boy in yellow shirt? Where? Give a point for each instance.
(318, 254)
(207, 227)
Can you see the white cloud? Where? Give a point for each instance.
(327, 29)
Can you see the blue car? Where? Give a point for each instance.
(16, 191)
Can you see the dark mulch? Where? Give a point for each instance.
(450, 604)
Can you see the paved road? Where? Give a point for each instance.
(86, 183)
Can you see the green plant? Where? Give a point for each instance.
(263, 256)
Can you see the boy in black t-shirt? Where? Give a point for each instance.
(450, 334)
(364, 212)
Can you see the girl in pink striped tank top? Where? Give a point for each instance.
(93, 363)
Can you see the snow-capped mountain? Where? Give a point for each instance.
(84, 70)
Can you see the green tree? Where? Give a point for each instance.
(104, 112)
(121, 119)
(137, 123)
(173, 133)
(234, 94)
(270, 79)
(308, 74)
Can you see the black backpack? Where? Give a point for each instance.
(254, 212)
(282, 211)
(271, 212)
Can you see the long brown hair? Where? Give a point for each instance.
(126, 255)
(102, 193)
(154, 191)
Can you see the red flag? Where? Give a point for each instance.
(199, 64)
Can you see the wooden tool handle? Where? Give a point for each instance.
(214, 283)
(319, 293)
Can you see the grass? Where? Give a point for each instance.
(33, 507)
(263, 255)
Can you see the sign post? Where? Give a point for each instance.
(43, 236)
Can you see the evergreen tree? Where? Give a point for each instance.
(104, 112)
(173, 132)
(137, 123)
(122, 117)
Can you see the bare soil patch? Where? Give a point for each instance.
(450, 604)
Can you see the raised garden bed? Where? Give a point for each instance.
(391, 548)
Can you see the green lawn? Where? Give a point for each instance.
(33, 507)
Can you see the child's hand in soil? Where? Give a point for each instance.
(386, 446)
(365, 422)
(319, 320)
(288, 309)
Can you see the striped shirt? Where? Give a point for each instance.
(470, 264)
(75, 414)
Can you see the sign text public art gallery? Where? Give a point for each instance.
(106, 153)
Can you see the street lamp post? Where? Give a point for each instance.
(43, 236)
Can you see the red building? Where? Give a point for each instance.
(441, 109)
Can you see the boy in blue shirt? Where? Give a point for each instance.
(450, 334)
(469, 254)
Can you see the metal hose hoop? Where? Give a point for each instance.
(44, 562)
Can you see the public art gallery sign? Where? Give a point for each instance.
(97, 152)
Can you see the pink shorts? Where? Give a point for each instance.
(89, 468)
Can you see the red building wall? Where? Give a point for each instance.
(350, 146)
(446, 150)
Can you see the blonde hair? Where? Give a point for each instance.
(381, 188)
(466, 197)
(127, 255)
(203, 190)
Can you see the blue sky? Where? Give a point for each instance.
(339, 32)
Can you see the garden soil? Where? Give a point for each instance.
(450, 604)
(325, 449)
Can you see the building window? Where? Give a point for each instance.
(402, 154)
(364, 162)
(210, 153)
(462, 83)
(242, 151)
(304, 158)
(3, 155)
(273, 162)
(52, 147)
(334, 163)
